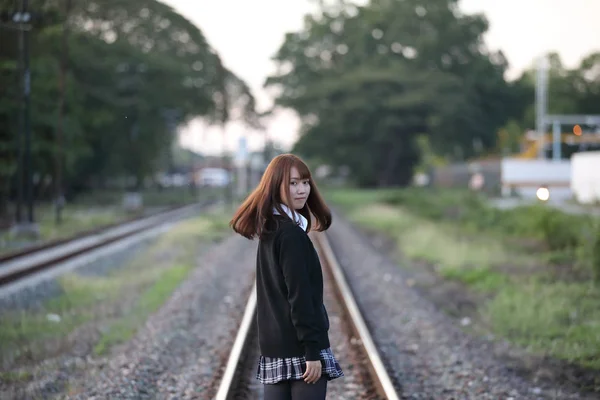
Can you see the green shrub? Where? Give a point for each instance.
(596, 255)
(559, 230)
(522, 221)
(435, 204)
(588, 254)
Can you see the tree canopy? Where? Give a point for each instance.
(134, 70)
(368, 81)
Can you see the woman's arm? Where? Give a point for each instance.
(294, 250)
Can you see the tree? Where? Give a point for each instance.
(130, 64)
(367, 80)
(575, 91)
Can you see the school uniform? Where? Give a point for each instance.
(292, 321)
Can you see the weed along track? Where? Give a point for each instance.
(179, 322)
(96, 312)
(430, 352)
(19, 265)
(365, 374)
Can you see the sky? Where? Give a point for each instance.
(247, 33)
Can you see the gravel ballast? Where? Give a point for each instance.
(181, 350)
(345, 347)
(426, 351)
(182, 346)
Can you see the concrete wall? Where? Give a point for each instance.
(525, 176)
(578, 177)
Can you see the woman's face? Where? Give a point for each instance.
(299, 190)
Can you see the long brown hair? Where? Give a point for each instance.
(251, 218)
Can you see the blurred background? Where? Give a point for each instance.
(103, 101)
(111, 97)
(466, 131)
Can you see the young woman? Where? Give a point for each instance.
(296, 360)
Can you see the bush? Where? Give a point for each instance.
(588, 253)
(596, 255)
(560, 231)
(435, 204)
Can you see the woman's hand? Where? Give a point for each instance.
(313, 371)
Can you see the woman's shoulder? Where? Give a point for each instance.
(283, 229)
(292, 237)
(280, 226)
(288, 227)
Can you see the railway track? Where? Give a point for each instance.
(18, 265)
(365, 374)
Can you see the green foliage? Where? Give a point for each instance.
(588, 252)
(560, 319)
(570, 91)
(115, 304)
(560, 231)
(509, 137)
(149, 301)
(551, 310)
(368, 80)
(482, 278)
(348, 199)
(569, 238)
(135, 70)
(595, 259)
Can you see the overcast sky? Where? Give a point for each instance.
(247, 33)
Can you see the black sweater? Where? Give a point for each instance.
(292, 320)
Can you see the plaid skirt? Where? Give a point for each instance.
(272, 370)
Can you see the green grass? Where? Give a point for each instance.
(348, 199)
(18, 328)
(76, 219)
(116, 304)
(94, 210)
(560, 319)
(511, 256)
(79, 295)
(436, 242)
(12, 376)
(483, 278)
(151, 299)
(151, 197)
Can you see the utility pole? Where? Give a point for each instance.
(58, 179)
(18, 17)
(541, 103)
(27, 111)
(23, 19)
